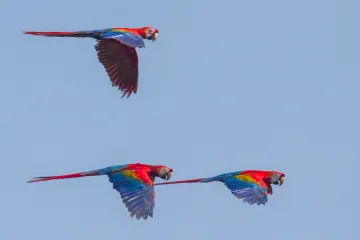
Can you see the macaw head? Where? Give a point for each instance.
(271, 177)
(276, 178)
(150, 33)
(162, 172)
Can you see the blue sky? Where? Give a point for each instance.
(229, 85)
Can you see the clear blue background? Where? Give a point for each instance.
(229, 85)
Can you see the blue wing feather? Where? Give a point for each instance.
(249, 192)
(137, 196)
(126, 38)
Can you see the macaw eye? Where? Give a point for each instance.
(150, 31)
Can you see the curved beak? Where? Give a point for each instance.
(168, 176)
(155, 36)
(282, 179)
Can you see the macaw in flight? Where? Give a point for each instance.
(116, 51)
(134, 182)
(252, 186)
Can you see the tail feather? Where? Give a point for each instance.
(73, 175)
(80, 34)
(181, 181)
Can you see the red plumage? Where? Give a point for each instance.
(116, 50)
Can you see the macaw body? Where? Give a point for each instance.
(116, 50)
(134, 182)
(252, 186)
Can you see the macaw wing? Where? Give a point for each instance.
(127, 38)
(248, 188)
(136, 191)
(121, 64)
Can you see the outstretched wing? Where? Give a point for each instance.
(125, 37)
(247, 187)
(136, 190)
(121, 64)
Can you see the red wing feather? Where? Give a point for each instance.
(121, 64)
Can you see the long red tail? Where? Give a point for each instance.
(73, 175)
(63, 34)
(182, 181)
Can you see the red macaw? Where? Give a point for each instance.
(134, 182)
(252, 186)
(116, 51)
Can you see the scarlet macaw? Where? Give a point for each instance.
(116, 51)
(134, 182)
(252, 186)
